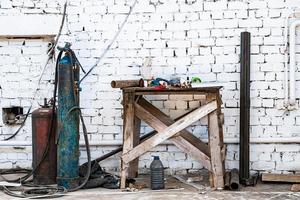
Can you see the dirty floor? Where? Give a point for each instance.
(176, 189)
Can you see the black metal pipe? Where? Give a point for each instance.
(244, 108)
(227, 181)
(234, 183)
(120, 148)
(83, 167)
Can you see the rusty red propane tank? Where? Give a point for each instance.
(43, 146)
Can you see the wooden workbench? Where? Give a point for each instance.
(136, 108)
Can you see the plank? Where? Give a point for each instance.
(216, 146)
(169, 132)
(134, 165)
(288, 178)
(202, 146)
(295, 188)
(174, 90)
(221, 116)
(128, 136)
(223, 153)
(193, 151)
(179, 141)
(221, 123)
(195, 185)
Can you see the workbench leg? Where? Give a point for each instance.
(215, 146)
(221, 123)
(134, 165)
(128, 130)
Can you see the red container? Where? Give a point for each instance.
(45, 174)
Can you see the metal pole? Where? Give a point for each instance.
(244, 107)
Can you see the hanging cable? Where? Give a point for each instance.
(31, 104)
(110, 44)
(47, 191)
(50, 130)
(38, 192)
(50, 53)
(88, 151)
(75, 62)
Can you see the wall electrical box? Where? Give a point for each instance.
(12, 115)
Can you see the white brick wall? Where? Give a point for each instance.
(183, 38)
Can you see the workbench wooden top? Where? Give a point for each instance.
(172, 90)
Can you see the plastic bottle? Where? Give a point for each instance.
(157, 174)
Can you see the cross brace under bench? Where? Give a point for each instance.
(136, 108)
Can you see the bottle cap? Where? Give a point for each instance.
(156, 157)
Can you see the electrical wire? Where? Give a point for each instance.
(38, 192)
(48, 191)
(31, 102)
(13, 171)
(111, 43)
(50, 53)
(74, 62)
(51, 128)
(49, 135)
(88, 151)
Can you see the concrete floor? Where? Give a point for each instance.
(178, 190)
(186, 195)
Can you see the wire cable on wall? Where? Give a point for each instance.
(50, 53)
(54, 191)
(49, 191)
(111, 42)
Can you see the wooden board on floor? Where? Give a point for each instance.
(288, 178)
(295, 187)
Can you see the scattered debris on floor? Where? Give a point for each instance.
(295, 188)
(288, 178)
(194, 179)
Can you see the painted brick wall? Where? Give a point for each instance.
(182, 38)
